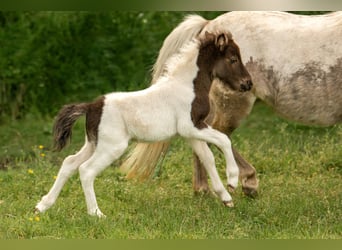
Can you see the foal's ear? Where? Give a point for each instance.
(222, 41)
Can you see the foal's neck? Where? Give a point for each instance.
(206, 59)
(200, 106)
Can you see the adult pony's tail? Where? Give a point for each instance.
(62, 129)
(144, 158)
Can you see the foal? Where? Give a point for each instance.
(177, 104)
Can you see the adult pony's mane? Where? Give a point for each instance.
(187, 55)
(167, 50)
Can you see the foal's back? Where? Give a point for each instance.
(149, 114)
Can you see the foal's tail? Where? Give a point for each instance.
(62, 129)
(145, 157)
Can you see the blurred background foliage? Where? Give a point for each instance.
(48, 59)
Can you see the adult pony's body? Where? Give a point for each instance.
(296, 66)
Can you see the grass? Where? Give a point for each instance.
(299, 168)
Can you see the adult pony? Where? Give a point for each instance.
(296, 65)
(177, 103)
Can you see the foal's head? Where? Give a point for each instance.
(221, 56)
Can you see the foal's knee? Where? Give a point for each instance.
(69, 165)
(69, 160)
(226, 141)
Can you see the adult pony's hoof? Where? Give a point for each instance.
(202, 191)
(250, 192)
(228, 203)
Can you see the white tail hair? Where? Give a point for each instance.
(183, 33)
(144, 158)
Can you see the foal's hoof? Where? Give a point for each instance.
(231, 189)
(228, 203)
(97, 213)
(36, 210)
(101, 216)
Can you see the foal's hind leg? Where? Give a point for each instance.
(69, 167)
(103, 156)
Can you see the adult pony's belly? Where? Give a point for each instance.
(311, 102)
(311, 95)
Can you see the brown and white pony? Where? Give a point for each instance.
(296, 65)
(177, 104)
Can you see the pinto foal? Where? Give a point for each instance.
(177, 104)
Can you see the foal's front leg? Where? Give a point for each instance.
(207, 158)
(247, 175)
(223, 143)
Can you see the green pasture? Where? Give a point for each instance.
(299, 168)
(48, 59)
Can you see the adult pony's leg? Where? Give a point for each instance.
(104, 155)
(69, 167)
(199, 178)
(248, 177)
(207, 158)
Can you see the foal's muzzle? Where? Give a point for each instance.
(246, 86)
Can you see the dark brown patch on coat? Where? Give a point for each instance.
(200, 106)
(93, 119)
(62, 129)
(67, 117)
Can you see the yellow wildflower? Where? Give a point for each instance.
(30, 171)
(36, 218)
(55, 177)
(40, 146)
(42, 155)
